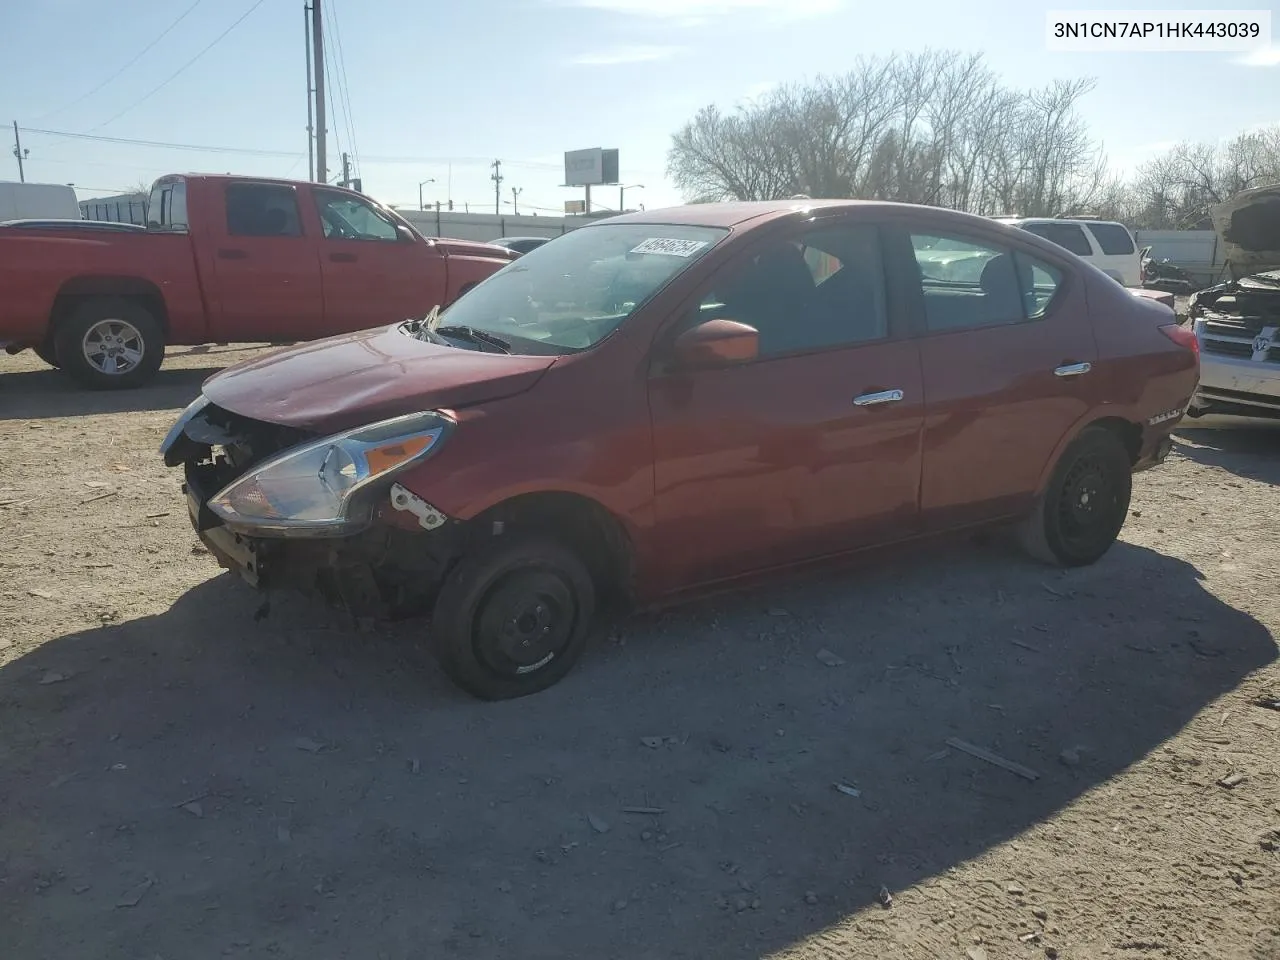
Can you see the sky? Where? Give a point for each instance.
(432, 90)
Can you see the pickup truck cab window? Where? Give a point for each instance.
(344, 217)
(571, 294)
(824, 288)
(167, 206)
(262, 210)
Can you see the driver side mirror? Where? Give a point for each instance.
(404, 233)
(716, 343)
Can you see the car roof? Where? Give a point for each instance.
(738, 213)
(1058, 220)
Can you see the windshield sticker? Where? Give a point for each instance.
(670, 248)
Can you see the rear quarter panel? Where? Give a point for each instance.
(37, 266)
(1140, 373)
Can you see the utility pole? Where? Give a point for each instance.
(317, 40)
(311, 129)
(515, 199)
(346, 169)
(497, 187)
(19, 153)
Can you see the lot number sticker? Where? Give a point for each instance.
(670, 248)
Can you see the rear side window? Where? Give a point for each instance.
(1069, 236)
(966, 283)
(1040, 283)
(262, 210)
(1112, 238)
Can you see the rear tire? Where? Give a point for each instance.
(110, 343)
(512, 618)
(1082, 509)
(47, 353)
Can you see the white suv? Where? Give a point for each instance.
(1106, 244)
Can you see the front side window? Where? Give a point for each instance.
(262, 210)
(1112, 238)
(571, 294)
(966, 283)
(1069, 236)
(820, 290)
(348, 218)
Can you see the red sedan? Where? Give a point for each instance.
(670, 400)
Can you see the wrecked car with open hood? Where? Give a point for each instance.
(671, 401)
(1238, 322)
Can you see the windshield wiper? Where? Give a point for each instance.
(463, 332)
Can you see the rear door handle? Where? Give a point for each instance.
(880, 396)
(1072, 369)
(342, 257)
(226, 253)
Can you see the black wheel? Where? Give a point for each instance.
(110, 343)
(47, 353)
(512, 618)
(1079, 515)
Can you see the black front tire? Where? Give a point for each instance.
(140, 334)
(1080, 513)
(512, 618)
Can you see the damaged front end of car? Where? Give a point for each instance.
(320, 514)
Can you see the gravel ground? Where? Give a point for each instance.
(178, 779)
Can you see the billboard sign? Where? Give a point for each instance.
(590, 167)
(575, 206)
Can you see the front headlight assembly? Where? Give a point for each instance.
(327, 487)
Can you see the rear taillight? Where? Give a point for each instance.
(1181, 336)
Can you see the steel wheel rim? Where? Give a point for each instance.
(526, 620)
(113, 347)
(1089, 505)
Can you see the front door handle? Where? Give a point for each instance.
(226, 253)
(342, 257)
(880, 396)
(1072, 369)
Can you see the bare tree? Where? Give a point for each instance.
(1175, 190)
(933, 127)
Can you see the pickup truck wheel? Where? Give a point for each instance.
(110, 343)
(512, 618)
(1079, 515)
(47, 353)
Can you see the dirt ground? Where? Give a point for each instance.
(180, 780)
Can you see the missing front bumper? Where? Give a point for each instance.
(385, 571)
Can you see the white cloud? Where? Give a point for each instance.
(1262, 57)
(693, 12)
(616, 55)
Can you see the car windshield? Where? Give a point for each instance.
(569, 295)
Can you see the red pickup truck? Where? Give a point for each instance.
(221, 259)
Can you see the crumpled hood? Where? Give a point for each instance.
(1248, 227)
(357, 378)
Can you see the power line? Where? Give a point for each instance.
(138, 56)
(163, 144)
(251, 151)
(173, 76)
(328, 82)
(344, 90)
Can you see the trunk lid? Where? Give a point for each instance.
(357, 378)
